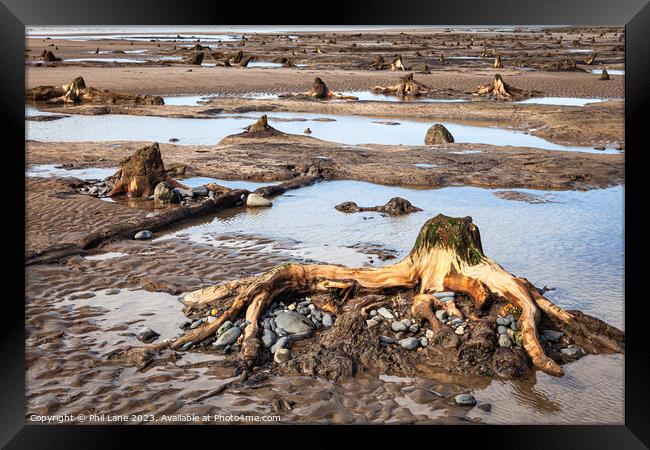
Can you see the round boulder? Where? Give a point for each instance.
(438, 134)
(165, 193)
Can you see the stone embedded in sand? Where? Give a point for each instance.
(438, 134)
(143, 235)
(165, 193)
(140, 173)
(465, 400)
(604, 75)
(146, 335)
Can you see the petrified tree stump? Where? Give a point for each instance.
(396, 206)
(405, 87)
(447, 255)
(139, 174)
(319, 91)
(590, 60)
(500, 90)
(604, 75)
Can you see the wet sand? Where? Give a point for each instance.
(87, 304)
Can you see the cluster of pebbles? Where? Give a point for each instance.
(281, 325)
(508, 330)
(407, 332)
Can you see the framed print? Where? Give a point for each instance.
(386, 218)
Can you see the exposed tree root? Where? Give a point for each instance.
(501, 90)
(78, 92)
(405, 87)
(319, 91)
(447, 255)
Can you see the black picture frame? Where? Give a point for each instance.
(634, 14)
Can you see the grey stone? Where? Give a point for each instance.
(503, 321)
(385, 313)
(164, 193)
(273, 324)
(316, 323)
(514, 326)
(398, 325)
(414, 328)
(294, 323)
(143, 235)
(254, 201)
(185, 347)
(317, 314)
(502, 329)
(268, 338)
(465, 400)
(441, 314)
(283, 342)
(146, 335)
(229, 337)
(424, 342)
(373, 312)
(185, 193)
(328, 321)
(200, 191)
(505, 341)
(552, 335)
(386, 340)
(282, 355)
(371, 323)
(410, 343)
(281, 331)
(572, 351)
(224, 327)
(460, 330)
(444, 294)
(486, 407)
(196, 323)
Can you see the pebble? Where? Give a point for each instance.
(229, 337)
(398, 325)
(112, 292)
(552, 335)
(328, 321)
(372, 323)
(429, 334)
(457, 321)
(505, 341)
(196, 323)
(572, 351)
(143, 235)
(146, 335)
(460, 330)
(268, 338)
(386, 340)
(503, 321)
(486, 407)
(254, 200)
(424, 342)
(514, 326)
(185, 347)
(501, 329)
(410, 343)
(224, 327)
(465, 400)
(373, 313)
(386, 314)
(283, 342)
(282, 355)
(444, 294)
(414, 328)
(441, 315)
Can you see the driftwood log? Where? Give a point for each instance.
(447, 255)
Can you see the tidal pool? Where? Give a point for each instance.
(574, 244)
(609, 71)
(344, 129)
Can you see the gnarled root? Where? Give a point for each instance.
(501, 90)
(447, 255)
(319, 91)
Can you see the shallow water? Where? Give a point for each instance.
(372, 96)
(186, 100)
(575, 244)
(565, 101)
(351, 130)
(108, 60)
(51, 170)
(609, 71)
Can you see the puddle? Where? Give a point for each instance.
(105, 256)
(120, 316)
(51, 170)
(345, 129)
(609, 71)
(564, 101)
(186, 100)
(371, 96)
(107, 60)
(425, 166)
(578, 249)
